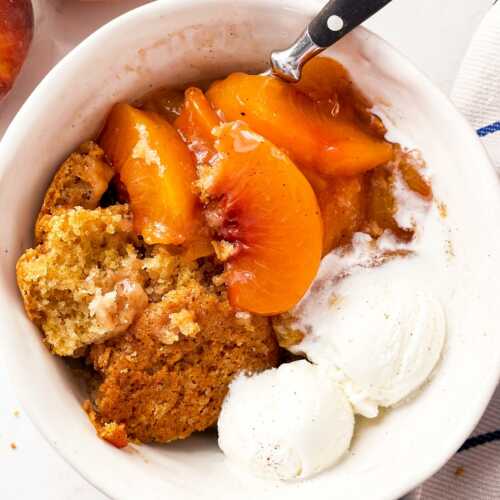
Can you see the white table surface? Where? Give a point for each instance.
(434, 34)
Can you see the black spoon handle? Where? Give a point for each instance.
(338, 17)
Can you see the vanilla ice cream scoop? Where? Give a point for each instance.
(286, 423)
(381, 334)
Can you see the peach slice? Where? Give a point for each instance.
(157, 170)
(16, 32)
(303, 128)
(324, 79)
(266, 209)
(196, 123)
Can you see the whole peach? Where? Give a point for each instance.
(16, 32)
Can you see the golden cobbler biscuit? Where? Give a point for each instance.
(90, 278)
(167, 376)
(76, 283)
(80, 181)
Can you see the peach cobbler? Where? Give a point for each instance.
(173, 250)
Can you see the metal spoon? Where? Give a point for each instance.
(336, 19)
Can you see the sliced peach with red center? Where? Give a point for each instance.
(305, 129)
(265, 207)
(157, 170)
(340, 198)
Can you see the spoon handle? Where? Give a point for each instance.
(336, 19)
(339, 17)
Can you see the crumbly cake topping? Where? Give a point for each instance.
(80, 181)
(167, 376)
(84, 254)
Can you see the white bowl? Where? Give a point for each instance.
(170, 42)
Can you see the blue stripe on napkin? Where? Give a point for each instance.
(489, 129)
(480, 440)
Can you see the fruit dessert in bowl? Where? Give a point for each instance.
(167, 250)
(287, 262)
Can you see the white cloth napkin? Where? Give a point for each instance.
(477, 88)
(474, 471)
